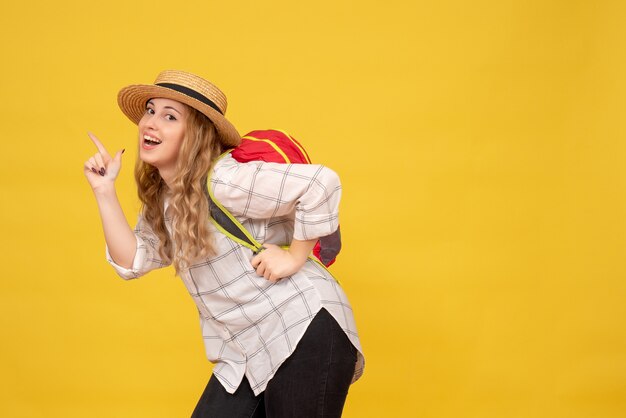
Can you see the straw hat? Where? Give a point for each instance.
(186, 88)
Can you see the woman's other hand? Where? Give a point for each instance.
(101, 170)
(274, 263)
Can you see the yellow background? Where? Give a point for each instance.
(481, 149)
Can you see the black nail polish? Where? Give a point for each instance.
(123, 150)
(102, 172)
(94, 170)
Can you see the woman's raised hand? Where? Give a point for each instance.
(101, 170)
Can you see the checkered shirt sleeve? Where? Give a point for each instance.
(260, 190)
(147, 257)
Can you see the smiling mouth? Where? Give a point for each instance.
(148, 140)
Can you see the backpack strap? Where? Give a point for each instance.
(231, 228)
(228, 224)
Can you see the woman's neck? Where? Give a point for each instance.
(167, 176)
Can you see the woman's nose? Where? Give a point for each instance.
(150, 122)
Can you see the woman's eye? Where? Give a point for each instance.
(170, 117)
(150, 111)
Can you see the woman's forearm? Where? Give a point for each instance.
(300, 250)
(119, 236)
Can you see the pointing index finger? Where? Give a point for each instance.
(98, 144)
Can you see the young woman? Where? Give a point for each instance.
(278, 327)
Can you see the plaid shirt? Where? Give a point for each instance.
(249, 324)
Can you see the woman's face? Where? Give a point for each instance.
(161, 133)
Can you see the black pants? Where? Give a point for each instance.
(312, 382)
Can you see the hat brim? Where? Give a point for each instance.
(132, 100)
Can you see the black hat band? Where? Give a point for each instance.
(191, 93)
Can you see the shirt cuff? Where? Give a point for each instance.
(134, 271)
(308, 226)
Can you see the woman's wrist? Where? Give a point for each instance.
(105, 190)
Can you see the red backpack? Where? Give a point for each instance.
(272, 146)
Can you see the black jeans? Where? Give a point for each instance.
(312, 382)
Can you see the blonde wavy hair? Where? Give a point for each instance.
(188, 195)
